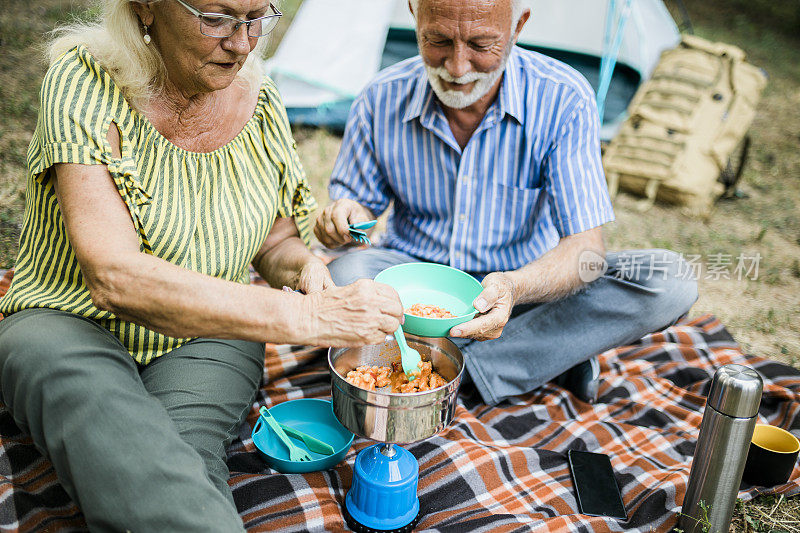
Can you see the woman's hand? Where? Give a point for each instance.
(358, 314)
(314, 277)
(494, 303)
(332, 228)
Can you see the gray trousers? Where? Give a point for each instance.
(642, 291)
(137, 448)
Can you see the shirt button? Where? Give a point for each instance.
(462, 217)
(457, 254)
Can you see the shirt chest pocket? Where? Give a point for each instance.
(512, 213)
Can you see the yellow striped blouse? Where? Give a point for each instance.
(207, 212)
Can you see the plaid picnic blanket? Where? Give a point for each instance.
(498, 468)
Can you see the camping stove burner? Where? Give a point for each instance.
(388, 450)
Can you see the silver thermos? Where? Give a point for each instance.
(721, 450)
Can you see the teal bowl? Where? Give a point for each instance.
(311, 416)
(433, 284)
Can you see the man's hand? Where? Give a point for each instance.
(332, 224)
(494, 303)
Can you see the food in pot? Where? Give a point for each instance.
(429, 311)
(370, 377)
(376, 377)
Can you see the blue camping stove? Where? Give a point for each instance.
(383, 496)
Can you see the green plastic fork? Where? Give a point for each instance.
(295, 453)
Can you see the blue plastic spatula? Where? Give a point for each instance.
(363, 225)
(408, 355)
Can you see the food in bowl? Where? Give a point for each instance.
(429, 311)
(376, 377)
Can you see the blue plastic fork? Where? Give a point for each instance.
(363, 239)
(359, 235)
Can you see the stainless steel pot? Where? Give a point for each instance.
(393, 417)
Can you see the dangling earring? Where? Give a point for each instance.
(146, 36)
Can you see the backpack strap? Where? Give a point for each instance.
(650, 193)
(730, 176)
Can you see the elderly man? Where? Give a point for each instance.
(491, 156)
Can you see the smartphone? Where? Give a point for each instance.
(595, 485)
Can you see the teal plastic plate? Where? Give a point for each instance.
(433, 284)
(311, 416)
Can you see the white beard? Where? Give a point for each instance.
(484, 81)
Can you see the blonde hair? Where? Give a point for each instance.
(114, 38)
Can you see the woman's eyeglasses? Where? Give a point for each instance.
(222, 26)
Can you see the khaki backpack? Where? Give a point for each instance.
(684, 125)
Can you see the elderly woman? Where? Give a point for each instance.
(162, 166)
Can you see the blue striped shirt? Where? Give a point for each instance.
(529, 175)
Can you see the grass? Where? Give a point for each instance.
(766, 221)
(762, 313)
(768, 514)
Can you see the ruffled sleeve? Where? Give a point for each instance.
(78, 103)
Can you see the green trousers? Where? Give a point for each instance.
(138, 449)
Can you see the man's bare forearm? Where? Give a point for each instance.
(555, 275)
